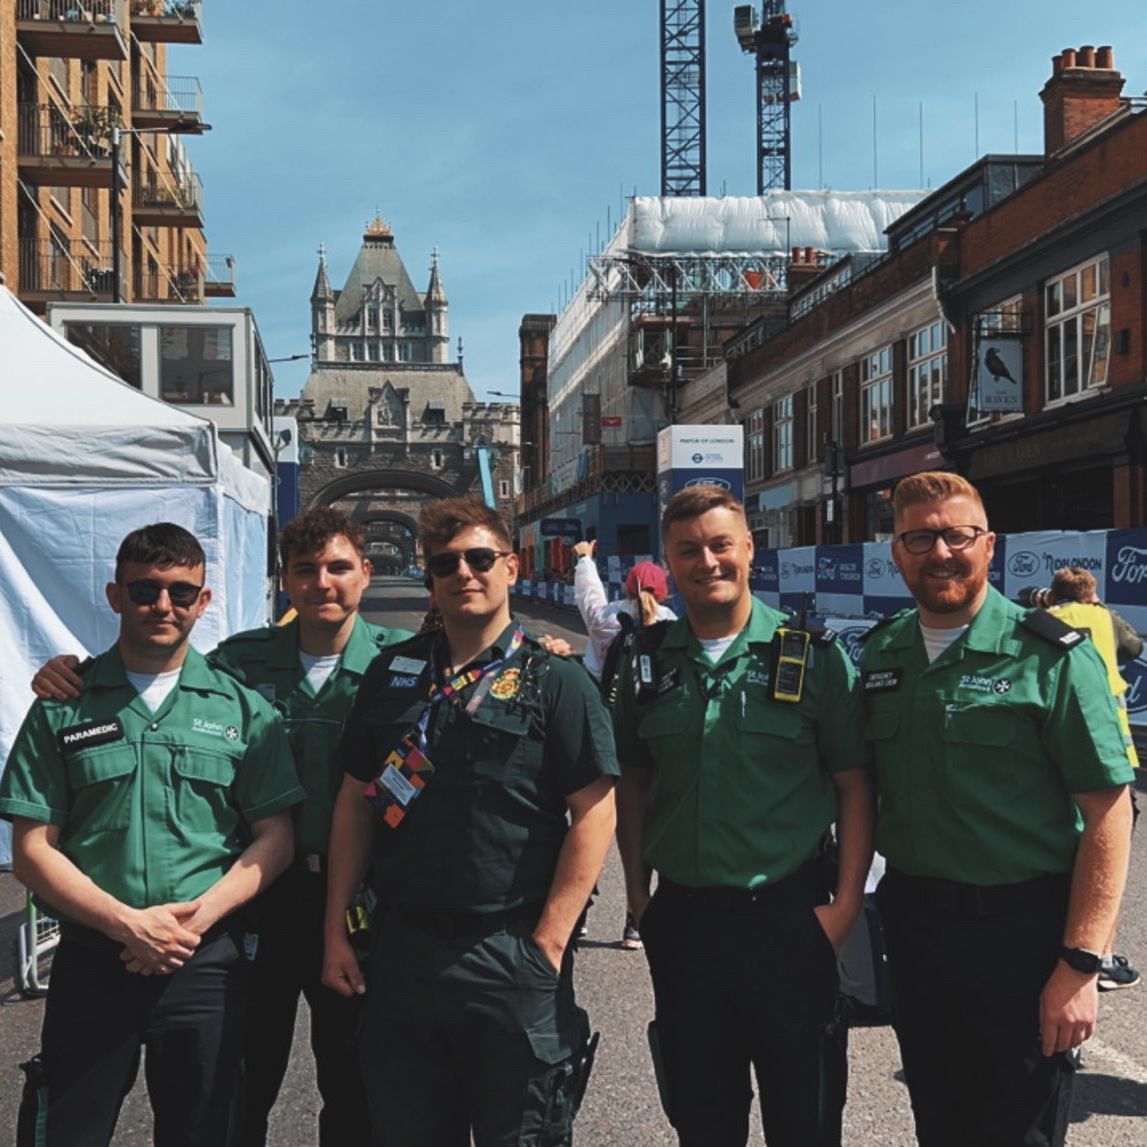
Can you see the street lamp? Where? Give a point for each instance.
(180, 127)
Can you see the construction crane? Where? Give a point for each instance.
(770, 35)
(683, 97)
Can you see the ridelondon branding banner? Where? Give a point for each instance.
(696, 455)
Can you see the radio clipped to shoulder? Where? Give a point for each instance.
(790, 660)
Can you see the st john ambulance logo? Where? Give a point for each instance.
(231, 733)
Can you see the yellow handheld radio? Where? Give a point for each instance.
(790, 659)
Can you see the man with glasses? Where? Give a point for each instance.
(309, 670)
(1005, 820)
(145, 813)
(479, 774)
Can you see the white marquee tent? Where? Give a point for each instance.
(85, 459)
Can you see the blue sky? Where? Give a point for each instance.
(504, 132)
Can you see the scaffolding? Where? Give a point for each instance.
(683, 97)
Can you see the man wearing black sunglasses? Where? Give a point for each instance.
(132, 809)
(1005, 820)
(480, 772)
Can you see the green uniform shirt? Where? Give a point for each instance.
(978, 753)
(743, 792)
(152, 807)
(267, 660)
(486, 832)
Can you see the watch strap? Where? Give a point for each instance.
(1081, 960)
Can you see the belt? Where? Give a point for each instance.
(466, 923)
(803, 884)
(958, 899)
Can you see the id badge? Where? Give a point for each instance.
(405, 772)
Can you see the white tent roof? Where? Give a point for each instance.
(65, 419)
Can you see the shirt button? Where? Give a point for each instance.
(154, 728)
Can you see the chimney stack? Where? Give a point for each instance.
(805, 265)
(1084, 88)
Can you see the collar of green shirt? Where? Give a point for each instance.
(990, 631)
(196, 674)
(759, 630)
(360, 650)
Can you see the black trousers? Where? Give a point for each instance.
(288, 964)
(98, 1017)
(967, 971)
(742, 984)
(470, 1031)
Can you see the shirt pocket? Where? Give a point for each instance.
(770, 730)
(204, 777)
(979, 755)
(103, 785)
(663, 722)
(498, 743)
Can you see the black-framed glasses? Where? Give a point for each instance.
(955, 538)
(480, 559)
(181, 594)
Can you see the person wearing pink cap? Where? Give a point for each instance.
(646, 589)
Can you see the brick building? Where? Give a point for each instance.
(79, 83)
(1001, 335)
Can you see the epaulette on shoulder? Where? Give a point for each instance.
(648, 638)
(820, 634)
(882, 623)
(1053, 629)
(244, 636)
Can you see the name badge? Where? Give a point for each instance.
(407, 665)
(882, 680)
(77, 737)
(398, 786)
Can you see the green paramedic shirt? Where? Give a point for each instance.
(152, 807)
(743, 791)
(486, 833)
(267, 660)
(978, 753)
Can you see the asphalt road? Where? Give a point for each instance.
(621, 1107)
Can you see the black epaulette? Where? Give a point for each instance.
(820, 634)
(882, 623)
(1053, 629)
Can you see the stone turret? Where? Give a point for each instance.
(437, 321)
(322, 313)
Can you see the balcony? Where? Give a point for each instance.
(52, 271)
(60, 147)
(158, 284)
(168, 200)
(72, 29)
(167, 21)
(173, 104)
(219, 277)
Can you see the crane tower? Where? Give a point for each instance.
(769, 35)
(682, 97)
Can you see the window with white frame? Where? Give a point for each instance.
(1006, 317)
(838, 406)
(812, 430)
(755, 447)
(876, 395)
(1077, 329)
(783, 434)
(927, 371)
(437, 459)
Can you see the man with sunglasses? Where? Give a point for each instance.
(479, 774)
(1005, 820)
(310, 670)
(145, 813)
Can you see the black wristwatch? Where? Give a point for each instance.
(1081, 960)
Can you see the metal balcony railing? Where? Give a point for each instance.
(169, 9)
(168, 284)
(169, 192)
(71, 11)
(180, 96)
(81, 132)
(49, 266)
(219, 276)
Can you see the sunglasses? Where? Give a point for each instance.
(955, 538)
(181, 594)
(481, 559)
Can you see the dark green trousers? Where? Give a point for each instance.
(469, 1032)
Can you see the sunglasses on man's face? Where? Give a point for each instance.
(181, 594)
(481, 559)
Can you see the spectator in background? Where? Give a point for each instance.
(646, 589)
(1073, 599)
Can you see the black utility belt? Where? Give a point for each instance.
(805, 884)
(475, 924)
(931, 893)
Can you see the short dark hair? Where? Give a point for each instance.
(310, 532)
(440, 521)
(162, 544)
(694, 501)
(1073, 584)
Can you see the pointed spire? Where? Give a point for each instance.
(435, 294)
(322, 290)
